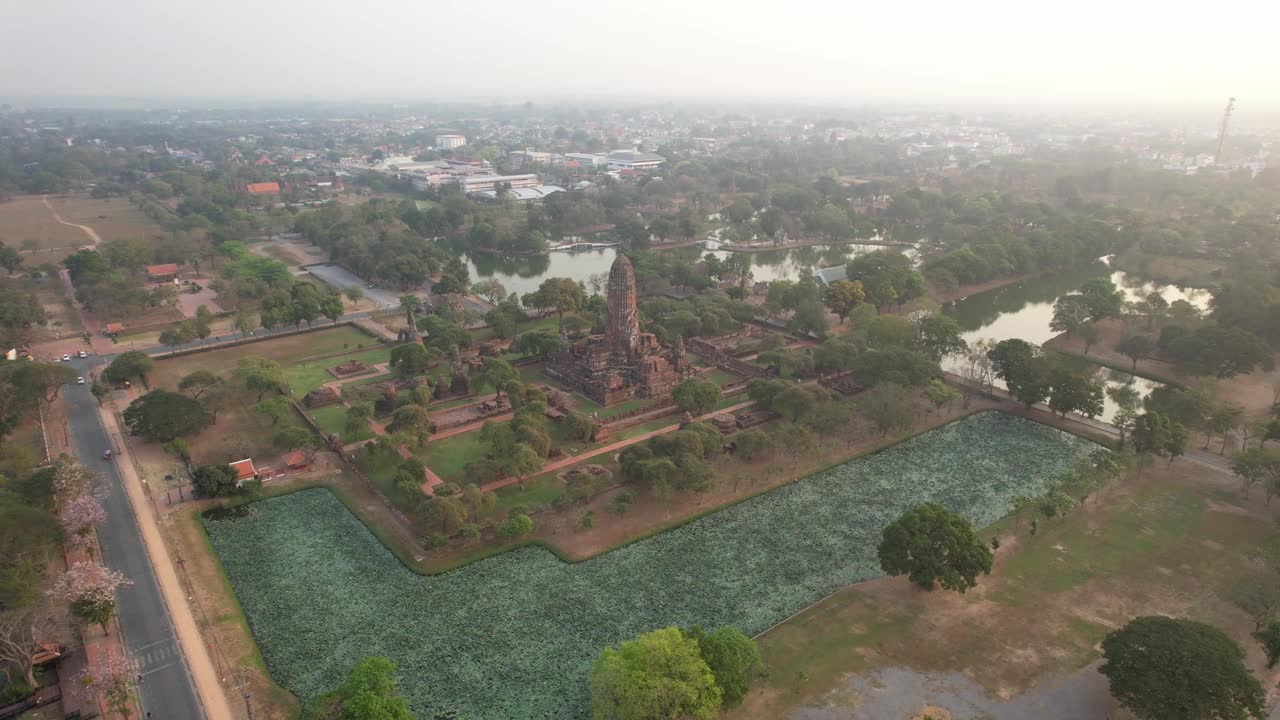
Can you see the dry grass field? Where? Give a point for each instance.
(112, 218)
(30, 224)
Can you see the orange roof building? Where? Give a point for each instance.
(114, 328)
(295, 460)
(263, 188)
(162, 271)
(244, 470)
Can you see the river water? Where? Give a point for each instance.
(524, 274)
(1024, 310)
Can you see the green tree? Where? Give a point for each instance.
(1070, 313)
(932, 545)
(734, 659)
(294, 437)
(1136, 347)
(1075, 392)
(100, 391)
(1270, 639)
(369, 693)
(129, 365)
(660, 674)
(411, 419)
(842, 296)
(410, 359)
(559, 294)
(260, 375)
(1089, 334)
(696, 396)
(1164, 668)
(198, 382)
(523, 461)
(161, 416)
(940, 336)
(357, 418)
(497, 373)
(516, 527)
(214, 480)
(1101, 297)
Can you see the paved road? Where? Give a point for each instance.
(341, 278)
(166, 689)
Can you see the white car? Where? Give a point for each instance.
(80, 381)
(66, 358)
(84, 354)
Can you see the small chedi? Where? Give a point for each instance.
(623, 363)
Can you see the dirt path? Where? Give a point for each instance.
(199, 662)
(93, 234)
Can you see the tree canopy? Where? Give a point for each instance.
(660, 674)
(162, 415)
(931, 544)
(1164, 668)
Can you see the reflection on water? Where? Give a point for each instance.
(1024, 310)
(525, 274)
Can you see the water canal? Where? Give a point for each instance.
(1025, 309)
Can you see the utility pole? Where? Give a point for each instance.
(1222, 129)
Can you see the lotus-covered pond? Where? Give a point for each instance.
(513, 636)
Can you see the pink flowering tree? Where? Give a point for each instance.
(113, 678)
(79, 515)
(90, 588)
(71, 479)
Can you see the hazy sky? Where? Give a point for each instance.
(1113, 52)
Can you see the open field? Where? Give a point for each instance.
(112, 218)
(1169, 541)
(750, 565)
(285, 350)
(305, 376)
(28, 225)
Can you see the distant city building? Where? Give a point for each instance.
(480, 183)
(449, 142)
(633, 160)
(587, 160)
(534, 194)
(263, 188)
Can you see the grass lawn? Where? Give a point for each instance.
(721, 377)
(26, 224)
(112, 218)
(333, 419)
(286, 351)
(538, 491)
(448, 457)
(303, 377)
(1169, 542)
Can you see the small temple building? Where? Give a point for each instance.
(623, 363)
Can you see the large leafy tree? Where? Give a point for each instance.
(887, 278)
(696, 397)
(1101, 298)
(497, 373)
(1075, 392)
(129, 365)
(260, 375)
(369, 693)
(162, 415)
(559, 294)
(214, 480)
(1172, 669)
(660, 674)
(410, 358)
(932, 545)
(1024, 370)
(842, 296)
(734, 660)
